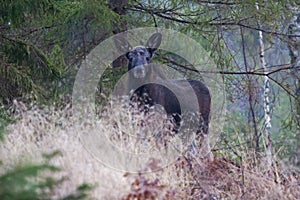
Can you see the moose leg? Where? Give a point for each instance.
(202, 140)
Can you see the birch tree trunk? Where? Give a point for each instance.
(267, 115)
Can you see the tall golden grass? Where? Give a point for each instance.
(42, 130)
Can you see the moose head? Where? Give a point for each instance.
(139, 56)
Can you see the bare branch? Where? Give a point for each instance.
(257, 72)
(169, 14)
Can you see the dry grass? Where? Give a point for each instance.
(220, 179)
(42, 130)
(223, 179)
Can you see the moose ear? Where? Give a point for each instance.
(122, 44)
(154, 42)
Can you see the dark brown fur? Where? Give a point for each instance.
(141, 70)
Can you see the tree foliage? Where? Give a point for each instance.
(28, 182)
(41, 39)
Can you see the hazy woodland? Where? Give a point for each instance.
(255, 126)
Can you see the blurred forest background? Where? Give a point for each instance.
(255, 44)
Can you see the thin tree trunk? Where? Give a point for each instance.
(119, 7)
(250, 97)
(294, 47)
(268, 136)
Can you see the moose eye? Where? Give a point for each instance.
(129, 56)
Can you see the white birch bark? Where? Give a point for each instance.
(267, 115)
